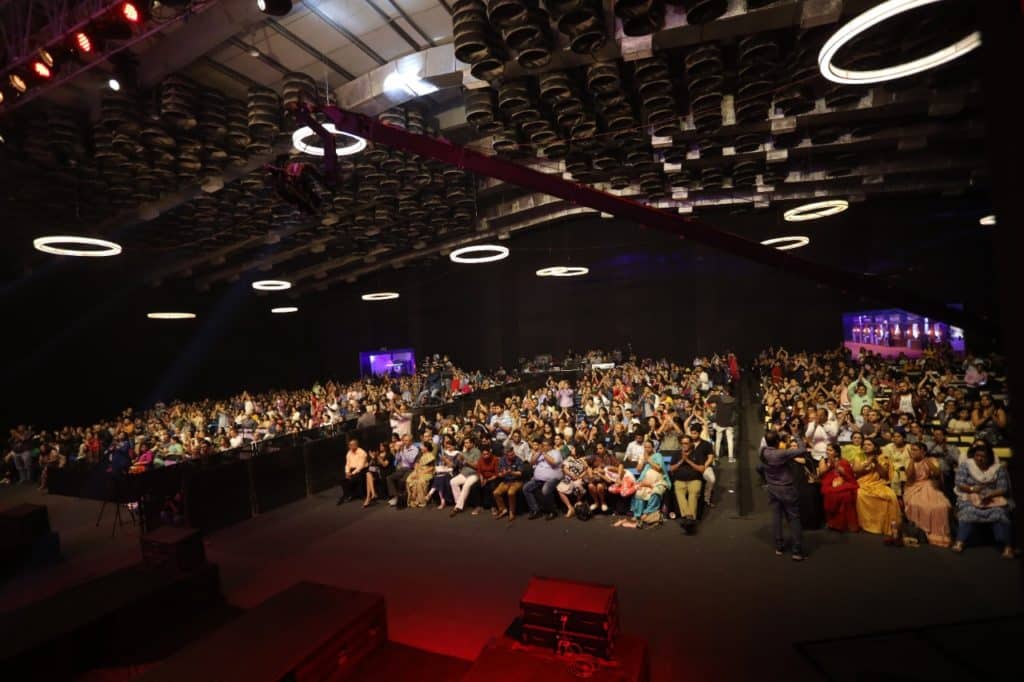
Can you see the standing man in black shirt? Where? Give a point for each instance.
(782, 493)
(724, 420)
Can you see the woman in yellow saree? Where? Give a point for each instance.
(418, 481)
(878, 510)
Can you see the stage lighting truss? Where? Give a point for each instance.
(53, 244)
(284, 310)
(271, 285)
(497, 252)
(300, 135)
(381, 296)
(563, 271)
(787, 243)
(988, 220)
(871, 18)
(816, 210)
(171, 316)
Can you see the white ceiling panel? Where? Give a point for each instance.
(355, 15)
(353, 59)
(436, 23)
(411, 32)
(414, 6)
(387, 43)
(314, 31)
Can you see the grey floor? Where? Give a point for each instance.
(716, 605)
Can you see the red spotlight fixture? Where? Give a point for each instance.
(130, 13)
(41, 70)
(82, 42)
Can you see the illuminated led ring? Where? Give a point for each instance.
(819, 209)
(271, 285)
(381, 296)
(285, 309)
(988, 220)
(562, 271)
(44, 244)
(794, 242)
(872, 17)
(305, 131)
(459, 255)
(171, 316)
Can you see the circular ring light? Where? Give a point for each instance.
(284, 309)
(497, 252)
(872, 17)
(563, 271)
(47, 245)
(787, 243)
(271, 285)
(381, 296)
(818, 209)
(302, 133)
(988, 220)
(171, 316)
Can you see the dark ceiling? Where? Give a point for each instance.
(727, 119)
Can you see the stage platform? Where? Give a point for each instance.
(717, 605)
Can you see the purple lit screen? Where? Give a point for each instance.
(387, 362)
(891, 332)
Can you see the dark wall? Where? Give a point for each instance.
(78, 344)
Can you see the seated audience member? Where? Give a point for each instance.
(853, 448)
(898, 454)
(704, 451)
(487, 470)
(983, 498)
(574, 474)
(547, 472)
(634, 456)
(50, 460)
(687, 475)
(511, 473)
(405, 460)
(961, 423)
(467, 477)
(838, 491)
(878, 510)
(422, 474)
(443, 469)
(356, 463)
(821, 430)
(651, 485)
(923, 500)
(598, 480)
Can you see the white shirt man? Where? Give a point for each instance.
(635, 450)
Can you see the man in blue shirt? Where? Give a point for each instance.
(547, 472)
(782, 493)
(405, 460)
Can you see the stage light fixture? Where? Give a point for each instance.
(130, 13)
(563, 271)
(50, 245)
(874, 16)
(988, 220)
(171, 316)
(284, 310)
(82, 42)
(498, 253)
(114, 84)
(271, 285)
(302, 133)
(46, 57)
(787, 243)
(380, 296)
(275, 8)
(17, 82)
(815, 210)
(41, 70)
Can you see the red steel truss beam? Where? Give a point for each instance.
(672, 223)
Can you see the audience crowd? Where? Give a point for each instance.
(637, 437)
(906, 448)
(167, 434)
